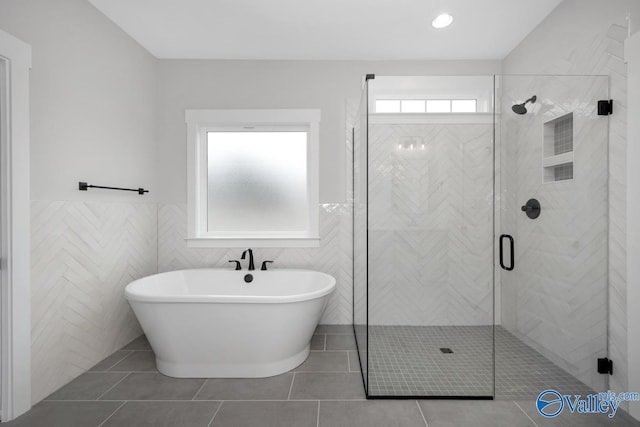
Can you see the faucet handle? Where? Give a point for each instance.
(264, 265)
(238, 266)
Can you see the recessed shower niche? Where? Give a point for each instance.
(557, 147)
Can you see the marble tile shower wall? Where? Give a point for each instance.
(82, 256)
(560, 280)
(333, 256)
(431, 224)
(603, 55)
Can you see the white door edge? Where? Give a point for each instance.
(15, 309)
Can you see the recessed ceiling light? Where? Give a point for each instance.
(441, 21)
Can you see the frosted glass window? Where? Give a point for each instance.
(252, 178)
(387, 106)
(257, 181)
(413, 106)
(438, 105)
(463, 106)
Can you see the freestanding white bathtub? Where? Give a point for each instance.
(211, 323)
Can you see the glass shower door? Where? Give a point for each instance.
(427, 188)
(552, 311)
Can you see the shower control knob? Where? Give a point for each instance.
(532, 208)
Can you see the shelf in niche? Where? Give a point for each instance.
(557, 173)
(560, 159)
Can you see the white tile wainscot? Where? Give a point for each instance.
(83, 254)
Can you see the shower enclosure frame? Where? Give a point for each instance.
(497, 153)
(364, 372)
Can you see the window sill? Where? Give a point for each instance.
(209, 242)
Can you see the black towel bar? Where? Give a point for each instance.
(83, 186)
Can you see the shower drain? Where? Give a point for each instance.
(446, 350)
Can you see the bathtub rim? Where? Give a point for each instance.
(131, 294)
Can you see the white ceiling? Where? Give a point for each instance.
(326, 29)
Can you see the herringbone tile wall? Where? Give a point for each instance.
(555, 298)
(431, 224)
(83, 255)
(602, 55)
(358, 118)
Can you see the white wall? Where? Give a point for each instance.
(586, 37)
(92, 119)
(92, 101)
(632, 47)
(274, 84)
(564, 40)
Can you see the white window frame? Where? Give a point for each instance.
(199, 122)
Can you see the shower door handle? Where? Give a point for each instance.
(511, 251)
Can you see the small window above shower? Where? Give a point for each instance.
(428, 106)
(558, 149)
(431, 100)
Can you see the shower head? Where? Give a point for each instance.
(520, 108)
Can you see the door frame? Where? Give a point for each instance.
(15, 265)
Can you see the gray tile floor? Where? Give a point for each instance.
(125, 389)
(407, 361)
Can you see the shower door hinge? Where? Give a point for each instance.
(605, 366)
(605, 107)
(370, 77)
